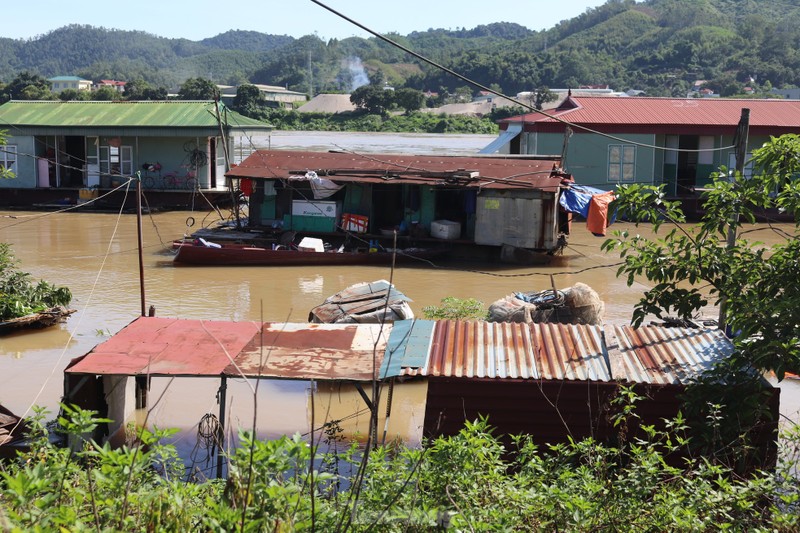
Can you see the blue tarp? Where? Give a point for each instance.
(576, 199)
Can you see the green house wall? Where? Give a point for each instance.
(587, 156)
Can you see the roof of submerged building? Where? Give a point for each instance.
(433, 349)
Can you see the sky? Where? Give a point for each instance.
(200, 19)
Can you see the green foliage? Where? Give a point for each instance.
(418, 122)
(198, 89)
(372, 99)
(467, 482)
(659, 46)
(690, 266)
(20, 295)
(26, 86)
(451, 308)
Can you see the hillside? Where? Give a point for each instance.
(660, 46)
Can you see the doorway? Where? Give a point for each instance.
(687, 164)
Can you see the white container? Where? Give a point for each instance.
(445, 229)
(306, 208)
(310, 244)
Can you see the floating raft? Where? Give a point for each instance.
(44, 319)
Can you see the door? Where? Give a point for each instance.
(687, 164)
(92, 162)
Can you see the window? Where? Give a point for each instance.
(116, 160)
(8, 158)
(621, 162)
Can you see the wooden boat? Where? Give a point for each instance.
(364, 303)
(12, 433)
(231, 254)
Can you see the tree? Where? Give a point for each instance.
(372, 99)
(690, 265)
(106, 94)
(134, 89)
(409, 99)
(68, 95)
(248, 100)
(198, 89)
(26, 86)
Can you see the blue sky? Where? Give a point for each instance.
(204, 18)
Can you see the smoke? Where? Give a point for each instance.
(358, 76)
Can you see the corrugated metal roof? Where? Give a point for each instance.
(662, 356)
(490, 172)
(451, 349)
(172, 114)
(523, 351)
(600, 111)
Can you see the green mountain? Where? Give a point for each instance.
(659, 46)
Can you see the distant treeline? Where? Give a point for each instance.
(661, 47)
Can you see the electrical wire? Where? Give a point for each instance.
(498, 93)
(89, 301)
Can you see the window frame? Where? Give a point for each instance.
(9, 158)
(623, 164)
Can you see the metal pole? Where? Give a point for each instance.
(223, 393)
(742, 137)
(139, 235)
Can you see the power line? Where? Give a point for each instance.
(498, 93)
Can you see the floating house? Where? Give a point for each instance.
(678, 142)
(472, 201)
(57, 148)
(552, 381)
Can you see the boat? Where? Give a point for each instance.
(12, 433)
(201, 252)
(363, 303)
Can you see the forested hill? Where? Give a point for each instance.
(659, 46)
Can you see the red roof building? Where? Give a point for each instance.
(676, 141)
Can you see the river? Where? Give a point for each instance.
(95, 255)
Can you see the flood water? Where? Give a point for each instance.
(95, 255)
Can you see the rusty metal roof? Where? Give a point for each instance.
(485, 172)
(474, 349)
(447, 348)
(347, 352)
(172, 347)
(663, 356)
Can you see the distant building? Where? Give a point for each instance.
(789, 94)
(271, 93)
(61, 83)
(118, 86)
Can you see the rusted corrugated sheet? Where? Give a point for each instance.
(489, 172)
(663, 356)
(474, 349)
(351, 352)
(168, 347)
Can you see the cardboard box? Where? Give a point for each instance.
(445, 229)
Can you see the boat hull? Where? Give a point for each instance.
(246, 255)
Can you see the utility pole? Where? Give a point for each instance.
(742, 134)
